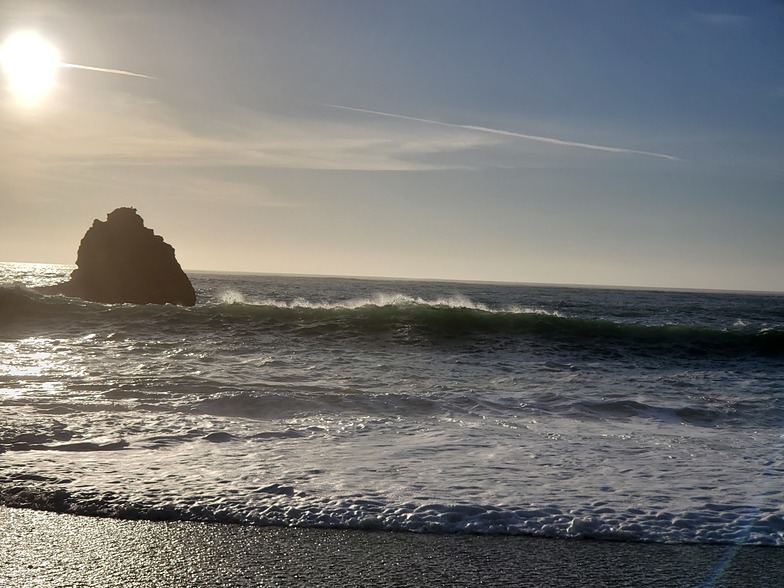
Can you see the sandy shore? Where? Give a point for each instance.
(48, 549)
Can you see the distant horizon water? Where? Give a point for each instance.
(457, 280)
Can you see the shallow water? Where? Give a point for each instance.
(421, 406)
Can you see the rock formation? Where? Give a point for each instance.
(120, 260)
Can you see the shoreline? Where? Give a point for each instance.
(54, 549)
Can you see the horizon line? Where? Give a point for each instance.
(457, 280)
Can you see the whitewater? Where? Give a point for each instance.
(440, 407)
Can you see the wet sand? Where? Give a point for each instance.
(49, 549)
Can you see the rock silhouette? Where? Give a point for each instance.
(120, 260)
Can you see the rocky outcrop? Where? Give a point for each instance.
(120, 260)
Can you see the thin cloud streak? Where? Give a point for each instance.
(120, 72)
(513, 134)
(721, 18)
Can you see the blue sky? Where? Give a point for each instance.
(603, 142)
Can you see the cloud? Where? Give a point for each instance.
(513, 134)
(108, 70)
(93, 137)
(115, 141)
(721, 18)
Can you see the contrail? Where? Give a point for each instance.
(120, 72)
(550, 140)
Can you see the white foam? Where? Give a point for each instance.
(371, 473)
(231, 296)
(381, 300)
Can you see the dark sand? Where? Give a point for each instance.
(48, 550)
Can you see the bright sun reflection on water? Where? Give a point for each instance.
(40, 365)
(30, 367)
(33, 275)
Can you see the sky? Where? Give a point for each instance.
(606, 142)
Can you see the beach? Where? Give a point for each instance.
(62, 550)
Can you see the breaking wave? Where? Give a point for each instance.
(403, 317)
(283, 505)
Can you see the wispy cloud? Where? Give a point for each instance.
(88, 133)
(721, 18)
(120, 72)
(513, 134)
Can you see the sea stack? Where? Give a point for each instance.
(120, 260)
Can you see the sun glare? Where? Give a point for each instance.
(29, 63)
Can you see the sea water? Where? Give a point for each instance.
(401, 405)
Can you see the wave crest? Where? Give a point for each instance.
(401, 317)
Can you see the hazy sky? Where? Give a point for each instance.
(582, 142)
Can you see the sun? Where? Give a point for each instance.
(30, 64)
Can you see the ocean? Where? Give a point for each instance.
(438, 407)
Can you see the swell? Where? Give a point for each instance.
(448, 320)
(398, 317)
